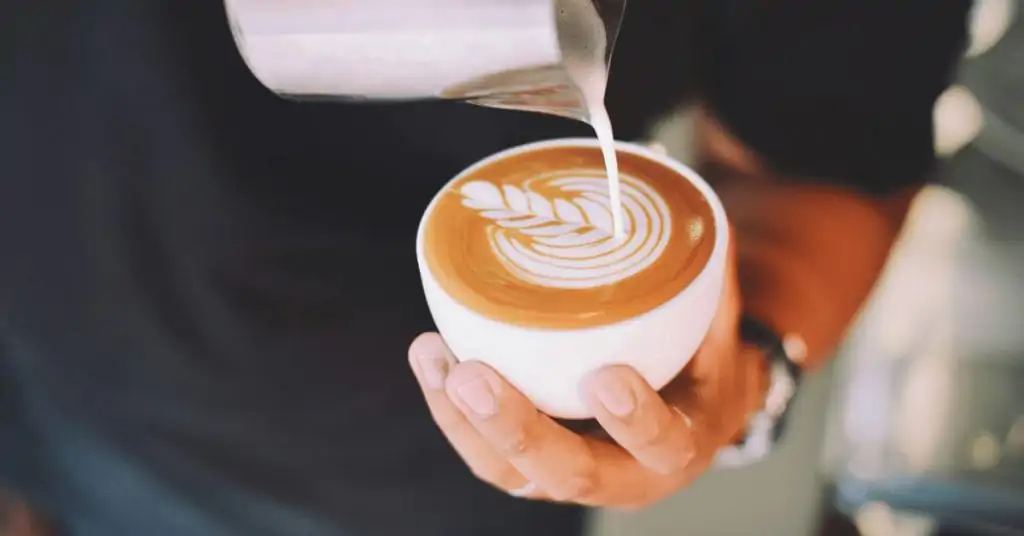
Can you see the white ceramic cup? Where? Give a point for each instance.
(547, 365)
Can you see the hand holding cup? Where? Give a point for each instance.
(544, 314)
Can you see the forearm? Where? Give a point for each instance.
(837, 95)
(808, 255)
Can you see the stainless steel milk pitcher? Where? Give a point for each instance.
(518, 54)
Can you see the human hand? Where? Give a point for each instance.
(656, 444)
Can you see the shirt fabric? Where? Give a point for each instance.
(207, 292)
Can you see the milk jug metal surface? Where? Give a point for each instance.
(519, 54)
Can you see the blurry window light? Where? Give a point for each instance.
(875, 519)
(958, 119)
(985, 451)
(1015, 438)
(989, 22)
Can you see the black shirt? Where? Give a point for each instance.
(207, 292)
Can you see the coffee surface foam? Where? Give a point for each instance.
(528, 239)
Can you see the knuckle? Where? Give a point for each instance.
(581, 485)
(649, 435)
(522, 439)
(516, 444)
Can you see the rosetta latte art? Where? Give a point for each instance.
(527, 239)
(566, 241)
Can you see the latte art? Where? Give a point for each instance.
(566, 240)
(529, 239)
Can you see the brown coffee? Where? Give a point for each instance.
(528, 240)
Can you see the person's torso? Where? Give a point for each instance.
(218, 282)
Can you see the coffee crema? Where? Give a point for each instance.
(528, 239)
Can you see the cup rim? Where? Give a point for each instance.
(722, 230)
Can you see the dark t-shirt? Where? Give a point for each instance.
(207, 292)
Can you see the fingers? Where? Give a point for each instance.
(431, 362)
(550, 456)
(660, 437)
(564, 465)
(508, 443)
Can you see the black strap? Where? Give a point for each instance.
(756, 332)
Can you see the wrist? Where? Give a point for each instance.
(755, 376)
(761, 377)
(772, 376)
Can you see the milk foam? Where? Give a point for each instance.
(568, 241)
(556, 225)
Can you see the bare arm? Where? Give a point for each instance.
(808, 252)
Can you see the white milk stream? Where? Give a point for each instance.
(584, 41)
(606, 137)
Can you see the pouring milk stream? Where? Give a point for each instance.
(545, 56)
(585, 54)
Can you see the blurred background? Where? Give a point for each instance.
(917, 428)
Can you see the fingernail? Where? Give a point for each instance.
(687, 421)
(478, 397)
(434, 370)
(690, 452)
(613, 393)
(529, 488)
